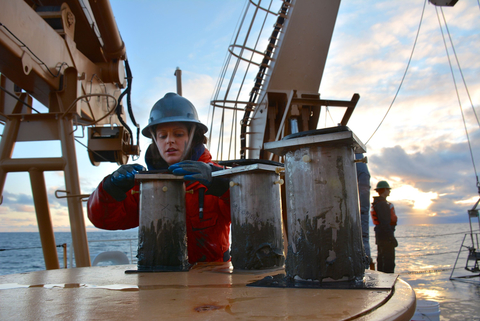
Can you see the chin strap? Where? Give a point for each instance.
(189, 143)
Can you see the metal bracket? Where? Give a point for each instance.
(82, 196)
(361, 160)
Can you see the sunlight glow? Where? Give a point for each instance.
(421, 200)
(429, 294)
(469, 201)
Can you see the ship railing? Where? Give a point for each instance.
(130, 240)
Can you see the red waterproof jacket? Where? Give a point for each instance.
(208, 238)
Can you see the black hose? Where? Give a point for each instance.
(118, 109)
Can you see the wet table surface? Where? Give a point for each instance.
(210, 291)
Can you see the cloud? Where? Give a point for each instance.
(444, 168)
(9, 198)
(369, 56)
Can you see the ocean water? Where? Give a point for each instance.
(422, 248)
(22, 251)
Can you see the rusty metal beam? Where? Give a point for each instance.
(326, 102)
(350, 109)
(44, 220)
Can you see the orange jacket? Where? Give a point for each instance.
(208, 238)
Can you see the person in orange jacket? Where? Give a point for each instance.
(178, 139)
(385, 220)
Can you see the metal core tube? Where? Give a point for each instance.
(325, 241)
(324, 224)
(162, 235)
(257, 234)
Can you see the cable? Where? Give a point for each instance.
(107, 160)
(416, 236)
(118, 110)
(459, 102)
(329, 114)
(90, 95)
(261, 73)
(28, 248)
(459, 68)
(129, 102)
(16, 97)
(40, 60)
(404, 74)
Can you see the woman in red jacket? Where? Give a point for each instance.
(177, 145)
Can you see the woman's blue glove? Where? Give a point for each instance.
(121, 181)
(124, 176)
(193, 171)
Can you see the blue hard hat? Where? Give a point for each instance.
(172, 108)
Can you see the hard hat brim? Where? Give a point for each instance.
(147, 130)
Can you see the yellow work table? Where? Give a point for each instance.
(208, 291)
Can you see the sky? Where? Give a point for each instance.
(421, 148)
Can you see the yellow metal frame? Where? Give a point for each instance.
(77, 72)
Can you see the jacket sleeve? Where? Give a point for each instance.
(106, 213)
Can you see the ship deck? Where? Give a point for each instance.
(206, 292)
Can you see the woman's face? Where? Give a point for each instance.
(172, 140)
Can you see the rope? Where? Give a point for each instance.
(28, 248)
(404, 74)
(458, 98)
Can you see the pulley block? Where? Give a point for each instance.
(110, 144)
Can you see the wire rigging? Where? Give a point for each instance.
(261, 74)
(29, 248)
(459, 68)
(91, 150)
(23, 45)
(222, 122)
(404, 74)
(417, 236)
(222, 77)
(246, 72)
(459, 101)
(16, 97)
